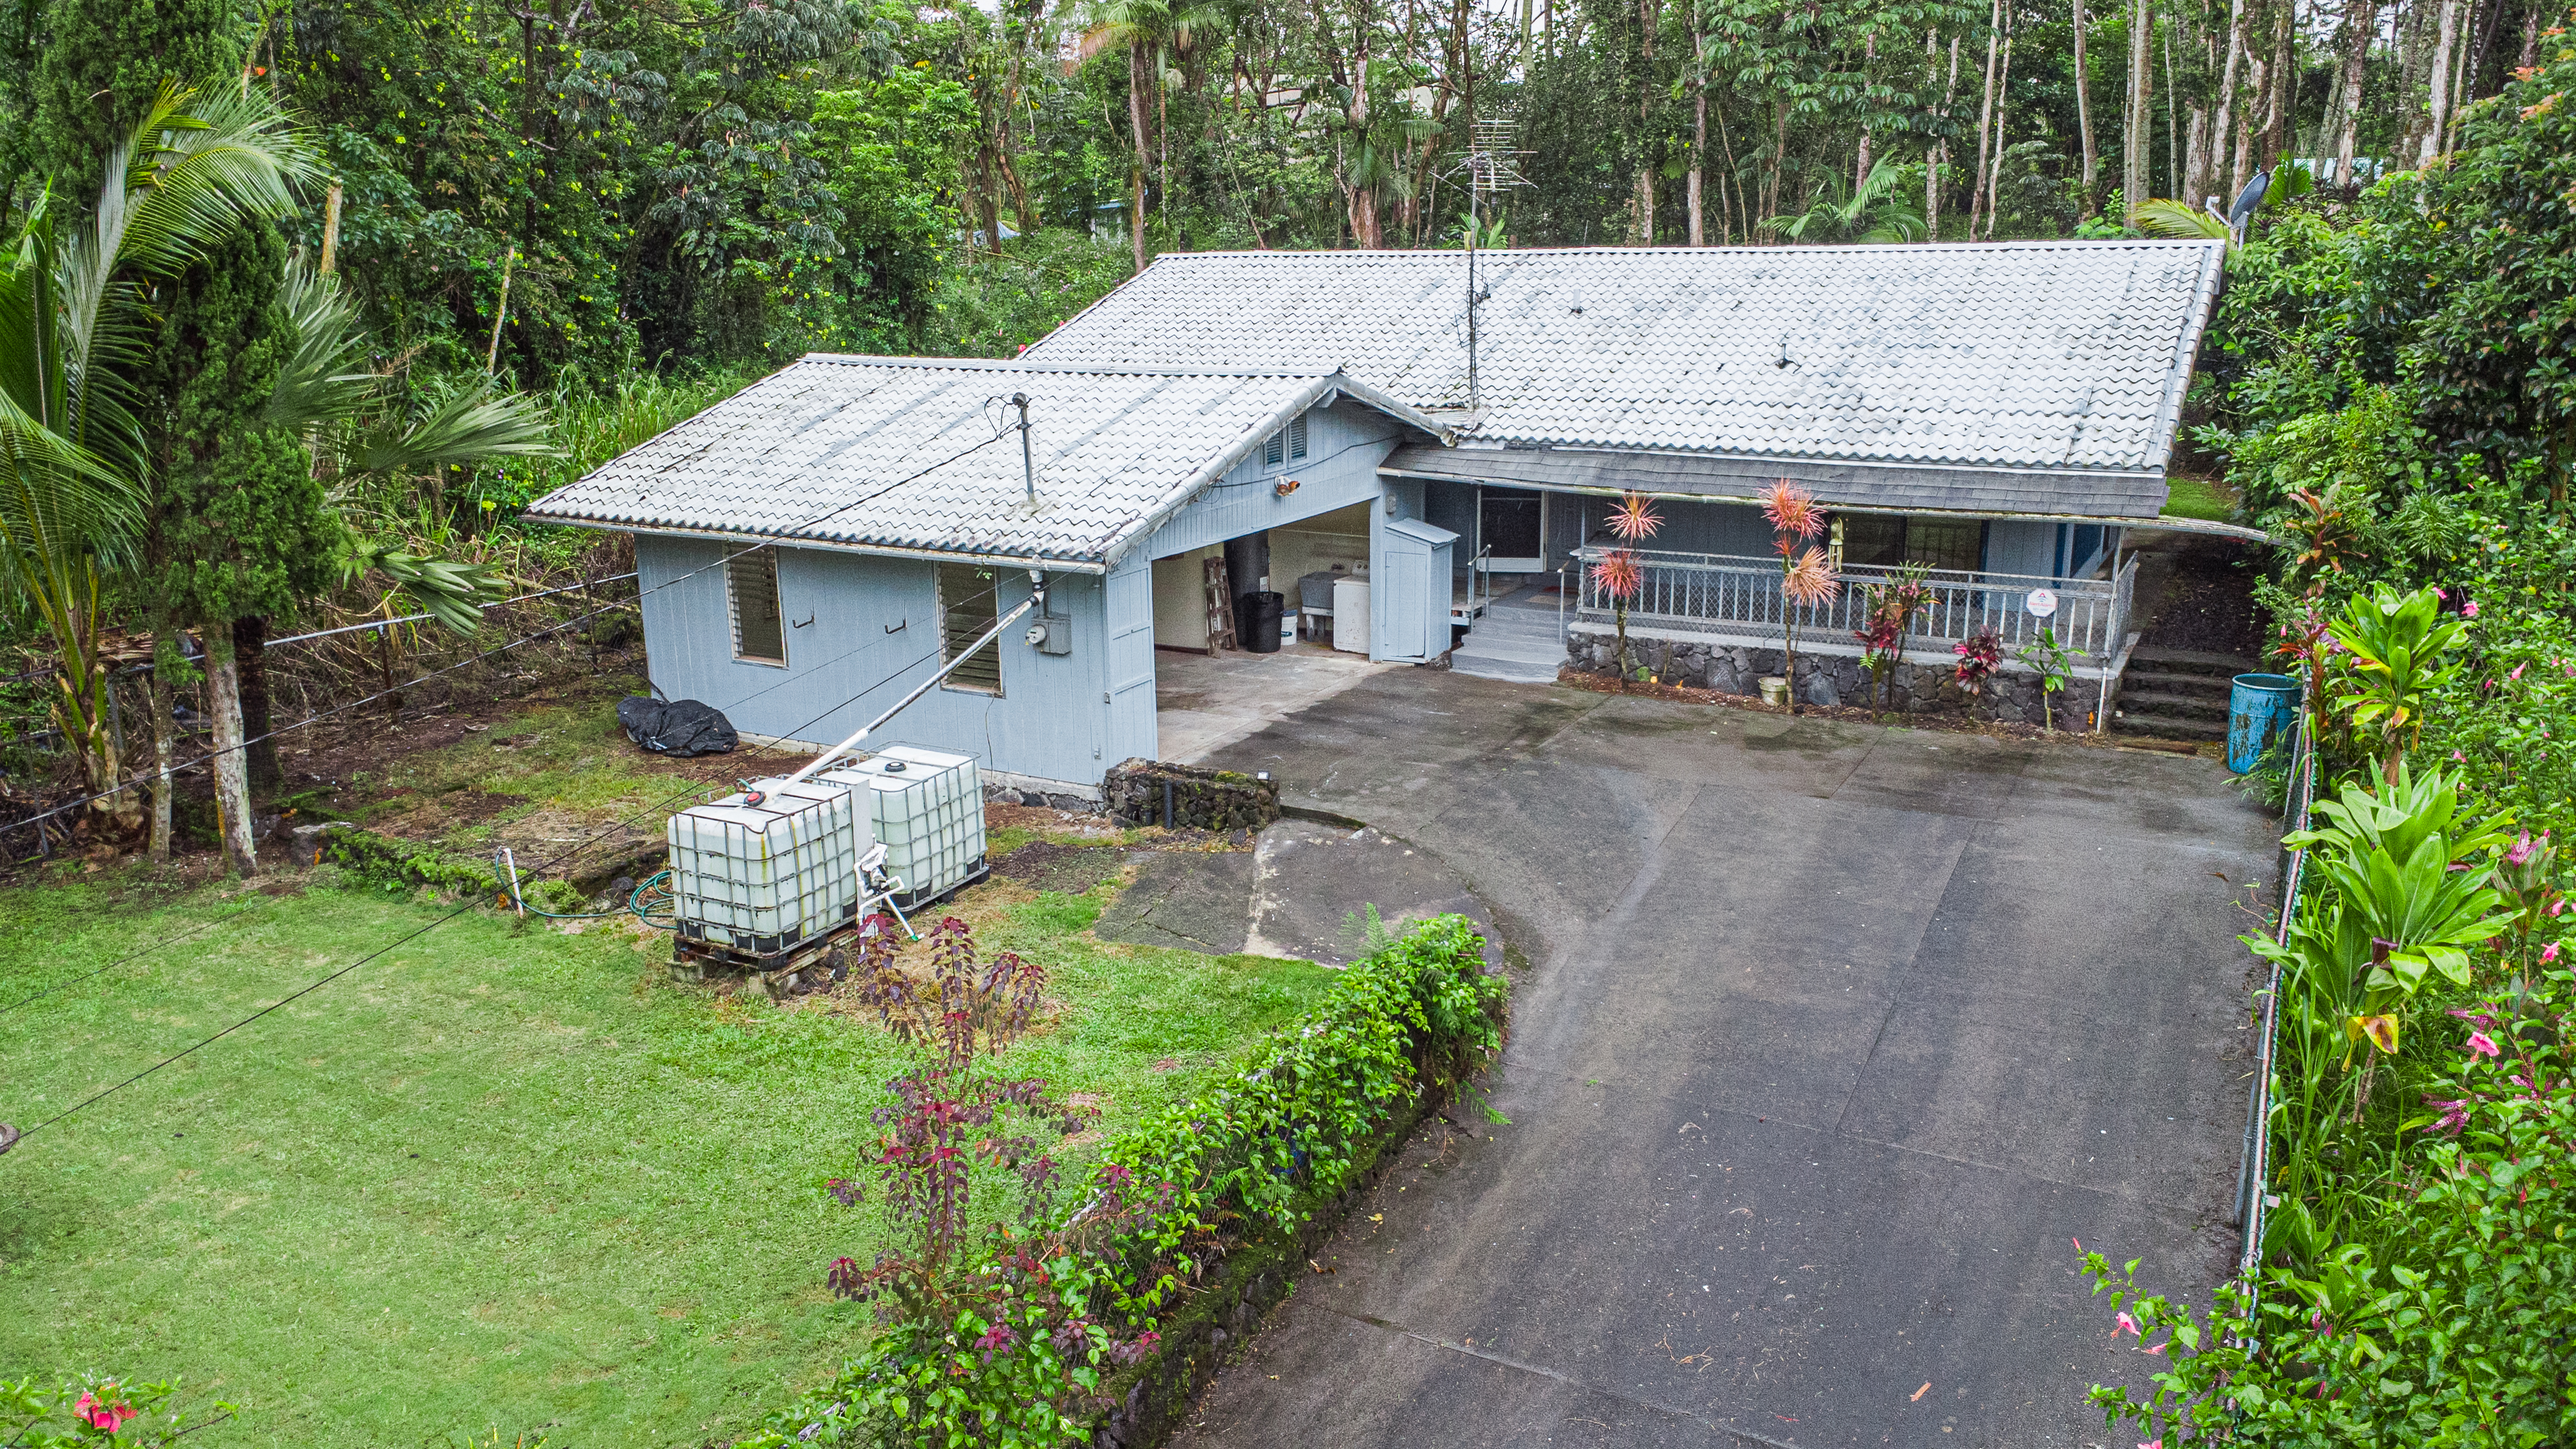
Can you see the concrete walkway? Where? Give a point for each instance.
(1835, 1038)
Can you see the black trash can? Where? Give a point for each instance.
(1256, 621)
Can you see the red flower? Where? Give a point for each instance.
(110, 1417)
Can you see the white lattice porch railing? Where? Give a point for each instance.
(1738, 598)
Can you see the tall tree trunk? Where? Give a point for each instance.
(165, 753)
(1995, 177)
(2138, 123)
(2530, 37)
(2173, 119)
(1144, 151)
(1699, 135)
(2361, 22)
(2223, 127)
(2084, 117)
(1936, 157)
(2195, 167)
(1869, 61)
(232, 773)
(250, 659)
(1985, 120)
(2281, 111)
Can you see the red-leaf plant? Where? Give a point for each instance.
(1620, 573)
(1806, 579)
(1025, 1298)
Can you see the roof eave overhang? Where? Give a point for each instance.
(985, 558)
(1466, 473)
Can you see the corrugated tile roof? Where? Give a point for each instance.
(860, 451)
(2055, 356)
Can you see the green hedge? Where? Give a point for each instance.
(1244, 1170)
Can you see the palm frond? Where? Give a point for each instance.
(452, 593)
(324, 381)
(207, 159)
(2159, 217)
(468, 426)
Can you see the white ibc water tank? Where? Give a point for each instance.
(927, 806)
(763, 878)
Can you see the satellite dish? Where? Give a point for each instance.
(2041, 603)
(2248, 199)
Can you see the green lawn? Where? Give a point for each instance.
(2199, 498)
(499, 1179)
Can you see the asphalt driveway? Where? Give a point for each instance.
(1832, 1041)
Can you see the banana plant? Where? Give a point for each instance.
(2396, 642)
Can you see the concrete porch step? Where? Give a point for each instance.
(2213, 686)
(2173, 705)
(1519, 651)
(2149, 722)
(2188, 661)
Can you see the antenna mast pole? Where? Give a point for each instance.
(1028, 464)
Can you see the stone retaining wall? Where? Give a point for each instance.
(1201, 799)
(2011, 695)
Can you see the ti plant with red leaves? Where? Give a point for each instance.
(993, 1335)
(1892, 604)
(1620, 573)
(1807, 579)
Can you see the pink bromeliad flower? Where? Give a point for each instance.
(2455, 1115)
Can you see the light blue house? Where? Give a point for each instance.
(2003, 413)
(813, 547)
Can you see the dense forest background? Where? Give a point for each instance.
(576, 190)
(471, 250)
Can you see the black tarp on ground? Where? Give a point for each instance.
(682, 727)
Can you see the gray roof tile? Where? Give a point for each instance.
(2056, 356)
(859, 451)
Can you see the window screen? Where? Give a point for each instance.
(1946, 544)
(1297, 438)
(751, 579)
(1884, 540)
(967, 607)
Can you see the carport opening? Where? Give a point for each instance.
(1210, 690)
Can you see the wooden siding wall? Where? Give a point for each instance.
(1057, 718)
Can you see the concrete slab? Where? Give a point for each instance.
(1835, 1037)
(1303, 891)
(1205, 701)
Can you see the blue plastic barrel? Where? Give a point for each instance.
(2260, 709)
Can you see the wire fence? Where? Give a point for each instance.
(396, 668)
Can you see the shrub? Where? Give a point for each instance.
(1002, 1351)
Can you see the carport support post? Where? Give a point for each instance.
(2110, 648)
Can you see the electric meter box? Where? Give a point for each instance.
(764, 876)
(927, 807)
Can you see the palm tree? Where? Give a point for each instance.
(1873, 214)
(1149, 29)
(74, 313)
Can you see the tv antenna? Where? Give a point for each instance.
(1492, 166)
